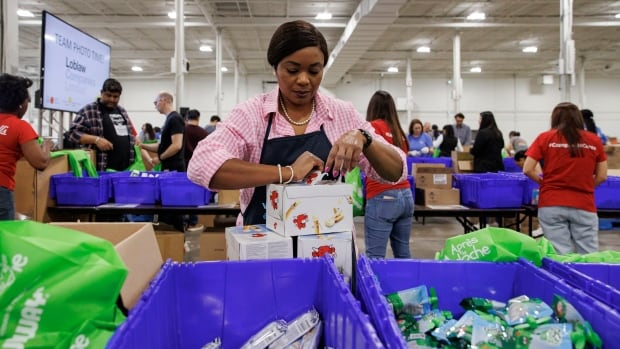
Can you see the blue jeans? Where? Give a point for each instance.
(7, 205)
(388, 216)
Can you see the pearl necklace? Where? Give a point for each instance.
(296, 123)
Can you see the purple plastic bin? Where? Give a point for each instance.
(188, 305)
(177, 190)
(135, 190)
(599, 280)
(69, 190)
(607, 194)
(455, 280)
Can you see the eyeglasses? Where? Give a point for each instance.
(155, 101)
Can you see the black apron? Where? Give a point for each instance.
(284, 151)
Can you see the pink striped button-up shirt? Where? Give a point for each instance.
(241, 136)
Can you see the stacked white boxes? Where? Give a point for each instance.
(319, 217)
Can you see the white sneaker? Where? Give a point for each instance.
(537, 233)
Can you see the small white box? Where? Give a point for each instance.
(302, 209)
(338, 245)
(256, 242)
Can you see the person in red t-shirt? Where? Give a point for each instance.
(573, 164)
(17, 138)
(389, 206)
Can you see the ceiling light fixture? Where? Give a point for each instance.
(206, 48)
(323, 15)
(224, 69)
(172, 14)
(476, 70)
(424, 49)
(477, 16)
(617, 15)
(530, 49)
(392, 70)
(136, 68)
(24, 13)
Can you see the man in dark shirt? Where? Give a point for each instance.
(170, 147)
(193, 133)
(106, 127)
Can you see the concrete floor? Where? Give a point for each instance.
(426, 239)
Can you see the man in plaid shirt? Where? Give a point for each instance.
(105, 126)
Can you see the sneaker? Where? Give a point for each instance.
(537, 233)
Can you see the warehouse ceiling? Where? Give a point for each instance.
(365, 37)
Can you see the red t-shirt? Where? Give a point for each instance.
(13, 133)
(567, 181)
(374, 188)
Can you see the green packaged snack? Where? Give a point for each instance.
(482, 304)
(489, 334)
(518, 312)
(52, 281)
(432, 320)
(414, 301)
(441, 332)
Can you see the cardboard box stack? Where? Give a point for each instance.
(317, 219)
(434, 185)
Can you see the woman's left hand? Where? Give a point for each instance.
(345, 153)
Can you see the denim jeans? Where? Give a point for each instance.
(388, 216)
(569, 229)
(7, 202)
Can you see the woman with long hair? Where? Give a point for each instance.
(488, 145)
(447, 141)
(389, 207)
(574, 164)
(148, 133)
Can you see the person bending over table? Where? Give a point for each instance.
(283, 135)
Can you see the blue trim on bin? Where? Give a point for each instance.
(455, 280)
(188, 305)
(69, 190)
(175, 189)
(135, 190)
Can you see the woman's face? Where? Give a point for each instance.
(300, 74)
(417, 129)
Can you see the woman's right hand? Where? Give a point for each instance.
(304, 164)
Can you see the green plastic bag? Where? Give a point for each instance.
(612, 257)
(52, 280)
(491, 244)
(78, 161)
(354, 177)
(436, 152)
(92, 334)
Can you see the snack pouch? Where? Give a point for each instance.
(489, 334)
(413, 301)
(518, 312)
(52, 280)
(548, 336)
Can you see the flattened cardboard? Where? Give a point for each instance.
(171, 244)
(136, 245)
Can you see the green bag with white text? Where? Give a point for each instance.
(492, 244)
(52, 281)
(354, 177)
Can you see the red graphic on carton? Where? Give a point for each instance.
(311, 177)
(300, 221)
(323, 250)
(273, 197)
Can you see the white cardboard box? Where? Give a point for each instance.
(302, 209)
(256, 242)
(137, 247)
(338, 245)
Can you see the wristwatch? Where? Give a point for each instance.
(367, 136)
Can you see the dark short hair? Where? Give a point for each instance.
(192, 114)
(294, 36)
(215, 118)
(112, 85)
(459, 115)
(13, 91)
(519, 155)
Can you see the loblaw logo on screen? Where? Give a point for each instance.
(75, 65)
